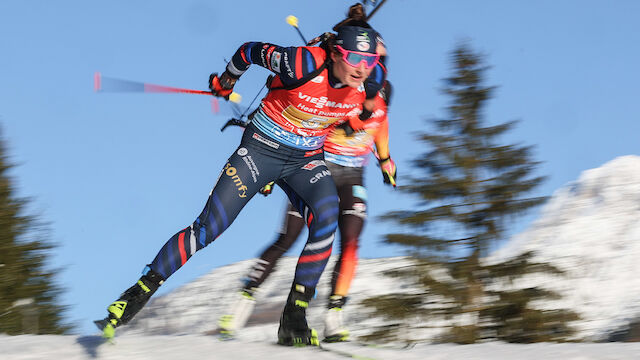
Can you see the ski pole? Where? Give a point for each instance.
(293, 21)
(109, 84)
(375, 9)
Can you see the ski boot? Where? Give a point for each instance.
(129, 303)
(334, 330)
(294, 330)
(241, 309)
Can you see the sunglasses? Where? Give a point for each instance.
(354, 58)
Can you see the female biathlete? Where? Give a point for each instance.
(345, 157)
(313, 88)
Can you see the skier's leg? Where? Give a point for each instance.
(313, 193)
(353, 212)
(231, 193)
(319, 206)
(243, 305)
(291, 229)
(350, 224)
(238, 182)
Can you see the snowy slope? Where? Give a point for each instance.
(195, 307)
(591, 229)
(48, 347)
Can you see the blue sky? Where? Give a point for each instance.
(117, 174)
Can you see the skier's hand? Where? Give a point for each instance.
(389, 171)
(352, 125)
(355, 123)
(221, 86)
(267, 189)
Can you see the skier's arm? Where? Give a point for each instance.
(381, 139)
(289, 63)
(372, 85)
(376, 79)
(387, 165)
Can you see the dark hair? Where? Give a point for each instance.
(326, 40)
(356, 16)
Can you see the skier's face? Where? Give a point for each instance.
(352, 76)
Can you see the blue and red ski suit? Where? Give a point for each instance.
(283, 143)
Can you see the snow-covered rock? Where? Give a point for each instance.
(591, 229)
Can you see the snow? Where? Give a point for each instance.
(32, 347)
(591, 229)
(201, 302)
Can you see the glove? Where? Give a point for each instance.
(221, 86)
(352, 125)
(267, 189)
(356, 123)
(389, 170)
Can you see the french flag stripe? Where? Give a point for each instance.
(320, 244)
(298, 64)
(183, 253)
(192, 241)
(316, 257)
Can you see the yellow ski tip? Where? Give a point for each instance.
(292, 20)
(235, 97)
(109, 332)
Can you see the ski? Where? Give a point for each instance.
(332, 348)
(382, 346)
(108, 331)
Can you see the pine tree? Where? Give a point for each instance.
(28, 294)
(470, 187)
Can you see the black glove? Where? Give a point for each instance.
(221, 86)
